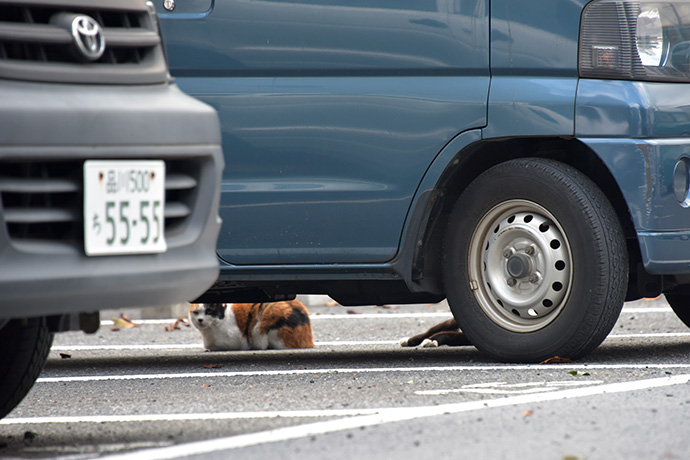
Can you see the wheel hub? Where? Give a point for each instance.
(522, 270)
(519, 266)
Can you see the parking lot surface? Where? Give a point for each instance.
(151, 391)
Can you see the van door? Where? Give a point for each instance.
(331, 110)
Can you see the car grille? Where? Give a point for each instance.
(37, 43)
(42, 202)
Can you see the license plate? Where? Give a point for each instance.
(124, 203)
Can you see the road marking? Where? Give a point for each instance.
(665, 309)
(503, 388)
(649, 335)
(334, 343)
(171, 346)
(444, 314)
(188, 417)
(359, 370)
(192, 346)
(447, 314)
(387, 416)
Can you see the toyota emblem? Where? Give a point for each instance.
(88, 37)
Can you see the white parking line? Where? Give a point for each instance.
(335, 343)
(649, 335)
(188, 417)
(330, 316)
(107, 322)
(358, 370)
(387, 416)
(503, 388)
(198, 346)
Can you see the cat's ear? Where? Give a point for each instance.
(216, 310)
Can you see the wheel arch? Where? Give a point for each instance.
(426, 273)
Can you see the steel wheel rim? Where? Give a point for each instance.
(520, 266)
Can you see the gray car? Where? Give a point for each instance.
(109, 176)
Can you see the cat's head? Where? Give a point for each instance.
(204, 315)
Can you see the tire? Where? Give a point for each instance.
(679, 300)
(535, 262)
(25, 345)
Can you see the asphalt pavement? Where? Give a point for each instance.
(151, 391)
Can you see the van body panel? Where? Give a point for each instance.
(344, 123)
(332, 113)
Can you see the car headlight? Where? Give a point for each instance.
(636, 40)
(650, 37)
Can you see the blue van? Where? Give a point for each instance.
(527, 160)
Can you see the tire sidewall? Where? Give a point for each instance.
(564, 192)
(25, 346)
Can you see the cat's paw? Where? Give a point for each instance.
(405, 342)
(429, 343)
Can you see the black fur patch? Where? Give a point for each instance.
(296, 318)
(250, 317)
(215, 310)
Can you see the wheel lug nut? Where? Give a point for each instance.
(511, 282)
(529, 250)
(533, 279)
(508, 252)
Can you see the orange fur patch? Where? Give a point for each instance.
(269, 315)
(299, 337)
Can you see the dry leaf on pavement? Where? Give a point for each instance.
(557, 360)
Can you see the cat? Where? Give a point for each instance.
(257, 326)
(445, 333)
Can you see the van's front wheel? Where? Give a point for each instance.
(535, 262)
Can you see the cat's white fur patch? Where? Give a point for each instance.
(429, 343)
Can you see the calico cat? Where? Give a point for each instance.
(445, 333)
(247, 326)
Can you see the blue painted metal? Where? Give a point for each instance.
(534, 67)
(629, 109)
(640, 130)
(340, 117)
(331, 114)
(643, 170)
(188, 9)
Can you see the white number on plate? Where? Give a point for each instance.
(124, 203)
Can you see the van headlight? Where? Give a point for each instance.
(636, 40)
(651, 45)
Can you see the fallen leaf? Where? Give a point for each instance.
(65, 356)
(123, 322)
(353, 312)
(387, 307)
(527, 413)
(557, 360)
(213, 366)
(578, 373)
(176, 325)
